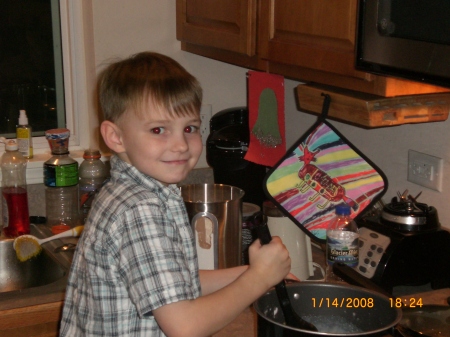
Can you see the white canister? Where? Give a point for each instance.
(296, 241)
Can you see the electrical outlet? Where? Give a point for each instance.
(425, 170)
(205, 116)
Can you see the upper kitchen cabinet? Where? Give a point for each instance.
(313, 35)
(221, 29)
(305, 40)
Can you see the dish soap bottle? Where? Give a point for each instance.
(15, 213)
(342, 241)
(24, 136)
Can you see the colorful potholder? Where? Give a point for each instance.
(320, 171)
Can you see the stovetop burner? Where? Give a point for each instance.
(410, 216)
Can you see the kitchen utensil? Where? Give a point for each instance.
(28, 246)
(291, 317)
(335, 309)
(215, 212)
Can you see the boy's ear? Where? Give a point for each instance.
(112, 136)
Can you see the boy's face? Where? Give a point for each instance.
(163, 147)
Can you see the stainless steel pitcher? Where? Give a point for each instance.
(215, 212)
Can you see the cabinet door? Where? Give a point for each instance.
(224, 24)
(312, 34)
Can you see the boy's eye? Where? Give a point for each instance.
(157, 131)
(191, 129)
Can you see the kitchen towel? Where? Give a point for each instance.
(320, 171)
(266, 118)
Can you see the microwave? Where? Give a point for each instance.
(405, 38)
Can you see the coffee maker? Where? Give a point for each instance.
(226, 147)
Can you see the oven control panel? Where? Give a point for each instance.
(372, 245)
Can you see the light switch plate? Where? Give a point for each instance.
(425, 170)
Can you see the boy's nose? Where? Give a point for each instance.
(180, 143)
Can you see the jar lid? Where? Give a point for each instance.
(91, 154)
(60, 133)
(342, 210)
(11, 145)
(58, 140)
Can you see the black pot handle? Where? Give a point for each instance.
(290, 316)
(264, 234)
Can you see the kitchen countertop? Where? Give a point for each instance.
(245, 324)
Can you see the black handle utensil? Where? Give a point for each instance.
(291, 317)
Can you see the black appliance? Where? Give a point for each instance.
(404, 246)
(226, 147)
(404, 38)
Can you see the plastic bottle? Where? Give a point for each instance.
(92, 173)
(342, 241)
(15, 213)
(24, 136)
(61, 181)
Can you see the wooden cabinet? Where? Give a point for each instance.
(305, 40)
(38, 320)
(221, 29)
(313, 34)
(223, 24)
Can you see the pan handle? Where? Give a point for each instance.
(349, 275)
(264, 234)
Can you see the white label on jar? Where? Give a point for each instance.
(343, 246)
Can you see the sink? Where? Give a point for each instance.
(38, 271)
(37, 281)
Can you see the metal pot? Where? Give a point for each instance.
(215, 212)
(335, 309)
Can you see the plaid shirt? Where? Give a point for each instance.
(137, 253)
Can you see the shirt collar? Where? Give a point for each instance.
(120, 168)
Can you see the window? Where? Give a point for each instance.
(31, 73)
(78, 82)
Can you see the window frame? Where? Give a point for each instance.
(79, 83)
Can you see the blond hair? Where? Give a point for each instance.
(130, 82)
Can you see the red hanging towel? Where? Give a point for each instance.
(266, 118)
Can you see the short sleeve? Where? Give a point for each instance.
(153, 257)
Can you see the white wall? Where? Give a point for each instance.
(122, 28)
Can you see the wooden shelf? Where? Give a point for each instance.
(372, 111)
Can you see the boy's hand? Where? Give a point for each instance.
(271, 262)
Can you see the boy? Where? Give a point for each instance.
(135, 270)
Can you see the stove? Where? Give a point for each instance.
(404, 245)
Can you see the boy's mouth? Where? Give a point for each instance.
(176, 162)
